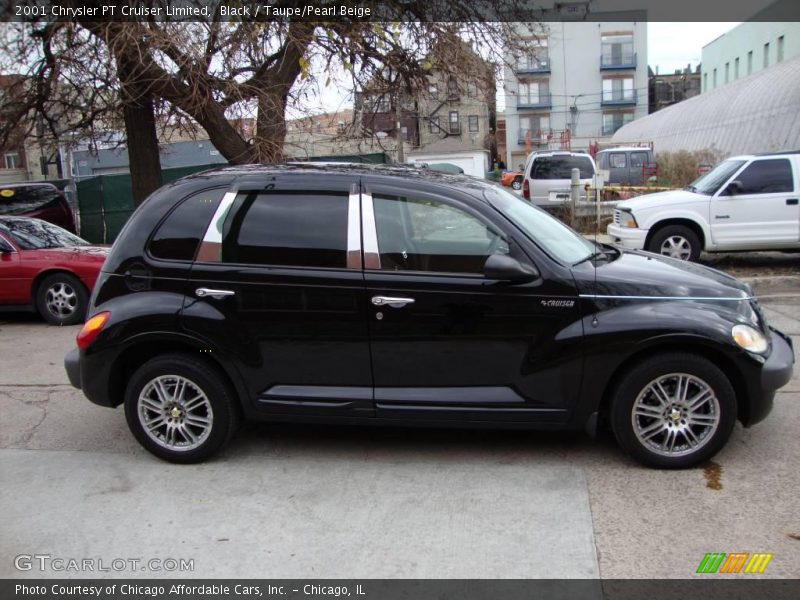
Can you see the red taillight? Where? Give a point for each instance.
(91, 329)
(526, 189)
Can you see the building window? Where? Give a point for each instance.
(404, 132)
(750, 62)
(617, 50)
(727, 72)
(705, 82)
(534, 92)
(455, 124)
(472, 89)
(766, 55)
(434, 126)
(534, 128)
(538, 59)
(736, 68)
(618, 90)
(13, 161)
(473, 123)
(452, 87)
(779, 58)
(714, 78)
(615, 120)
(433, 90)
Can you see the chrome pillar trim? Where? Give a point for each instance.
(354, 229)
(372, 257)
(211, 247)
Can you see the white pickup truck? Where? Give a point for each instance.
(744, 203)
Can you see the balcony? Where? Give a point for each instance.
(533, 67)
(537, 137)
(540, 101)
(622, 98)
(625, 60)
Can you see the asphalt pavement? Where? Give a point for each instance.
(313, 501)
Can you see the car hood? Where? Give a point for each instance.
(661, 199)
(644, 275)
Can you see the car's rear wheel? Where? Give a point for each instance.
(61, 299)
(180, 408)
(676, 241)
(673, 411)
(517, 183)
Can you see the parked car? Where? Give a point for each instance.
(397, 296)
(512, 179)
(627, 166)
(48, 268)
(37, 200)
(744, 203)
(548, 175)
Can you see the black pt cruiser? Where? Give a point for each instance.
(394, 296)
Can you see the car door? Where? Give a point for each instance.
(447, 342)
(278, 283)
(758, 207)
(618, 168)
(15, 288)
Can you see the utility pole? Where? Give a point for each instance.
(398, 130)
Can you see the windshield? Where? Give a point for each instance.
(33, 234)
(709, 183)
(555, 238)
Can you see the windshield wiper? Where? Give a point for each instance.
(690, 188)
(592, 256)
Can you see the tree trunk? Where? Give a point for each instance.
(143, 156)
(270, 128)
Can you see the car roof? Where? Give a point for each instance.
(466, 183)
(27, 184)
(626, 149)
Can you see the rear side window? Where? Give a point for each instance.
(287, 229)
(618, 161)
(25, 199)
(181, 232)
(560, 167)
(639, 159)
(767, 177)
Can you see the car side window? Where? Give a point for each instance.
(618, 160)
(179, 235)
(307, 229)
(639, 159)
(429, 235)
(766, 177)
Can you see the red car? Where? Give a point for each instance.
(47, 267)
(38, 201)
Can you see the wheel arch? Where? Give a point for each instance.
(696, 227)
(682, 346)
(42, 275)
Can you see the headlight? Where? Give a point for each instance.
(749, 338)
(626, 219)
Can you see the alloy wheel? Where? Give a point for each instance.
(676, 246)
(61, 300)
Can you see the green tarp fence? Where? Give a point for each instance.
(105, 202)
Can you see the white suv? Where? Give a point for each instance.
(744, 203)
(548, 174)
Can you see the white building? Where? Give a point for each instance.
(575, 84)
(747, 49)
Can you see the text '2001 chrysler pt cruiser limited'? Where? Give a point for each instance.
(392, 296)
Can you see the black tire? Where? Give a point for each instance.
(224, 409)
(670, 236)
(517, 183)
(62, 299)
(637, 381)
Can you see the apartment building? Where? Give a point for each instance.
(747, 49)
(573, 84)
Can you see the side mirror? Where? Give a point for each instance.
(734, 187)
(506, 268)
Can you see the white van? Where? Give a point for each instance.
(548, 174)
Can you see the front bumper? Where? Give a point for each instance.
(627, 237)
(775, 373)
(72, 365)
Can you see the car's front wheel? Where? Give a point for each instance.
(180, 408)
(61, 299)
(673, 411)
(676, 241)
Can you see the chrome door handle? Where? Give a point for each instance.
(392, 301)
(218, 294)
